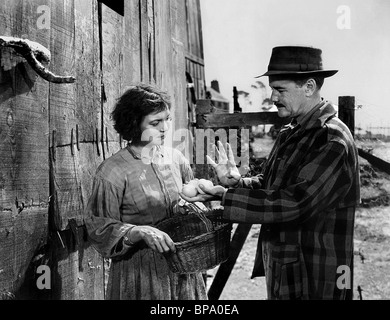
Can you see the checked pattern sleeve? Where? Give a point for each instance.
(321, 181)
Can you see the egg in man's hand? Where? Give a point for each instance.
(191, 189)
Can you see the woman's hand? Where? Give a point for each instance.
(154, 238)
(212, 193)
(226, 168)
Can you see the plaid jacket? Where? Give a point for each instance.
(305, 200)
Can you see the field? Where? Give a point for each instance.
(371, 279)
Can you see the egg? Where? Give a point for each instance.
(194, 182)
(206, 183)
(190, 190)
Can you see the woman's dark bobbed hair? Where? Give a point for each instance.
(136, 103)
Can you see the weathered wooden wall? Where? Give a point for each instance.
(53, 136)
(194, 48)
(24, 174)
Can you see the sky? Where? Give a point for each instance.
(354, 35)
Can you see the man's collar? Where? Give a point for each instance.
(316, 117)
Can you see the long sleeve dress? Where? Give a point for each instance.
(129, 192)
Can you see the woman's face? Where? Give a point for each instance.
(154, 127)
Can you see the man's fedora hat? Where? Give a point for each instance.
(289, 60)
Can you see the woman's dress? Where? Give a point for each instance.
(127, 191)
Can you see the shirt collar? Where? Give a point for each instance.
(156, 151)
(316, 117)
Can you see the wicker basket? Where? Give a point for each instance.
(201, 244)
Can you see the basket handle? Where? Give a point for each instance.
(201, 215)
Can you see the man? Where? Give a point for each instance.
(306, 196)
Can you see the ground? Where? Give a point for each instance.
(371, 279)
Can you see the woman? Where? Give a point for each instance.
(134, 189)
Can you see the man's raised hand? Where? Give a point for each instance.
(225, 168)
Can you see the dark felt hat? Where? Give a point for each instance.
(297, 60)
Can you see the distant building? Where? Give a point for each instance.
(254, 99)
(221, 103)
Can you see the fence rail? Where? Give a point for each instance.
(375, 161)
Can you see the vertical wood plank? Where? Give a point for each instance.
(88, 94)
(21, 236)
(170, 61)
(347, 112)
(132, 43)
(200, 29)
(67, 200)
(178, 27)
(112, 73)
(144, 40)
(187, 23)
(23, 117)
(88, 116)
(62, 115)
(195, 65)
(75, 114)
(163, 48)
(190, 27)
(195, 24)
(203, 95)
(75, 122)
(198, 79)
(76, 267)
(24, 187)
(151, 42)
(225, 269)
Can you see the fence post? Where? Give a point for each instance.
(225, 269)
(347, 112)
(347, 115)
(237, 108)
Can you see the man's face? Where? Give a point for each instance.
(288, 97)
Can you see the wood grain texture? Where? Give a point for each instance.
(194, 46)
(178, 69)
(53, 136)
(24, 178)
(23, 120)
(143, 34)
(88, 94)
(151, 41)
(131, 43)
(75, 117)
(112, 75)
(22, 234)
(75, 111)
(62, 115)
(194, 65)
(76, 267)
(222, 120)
